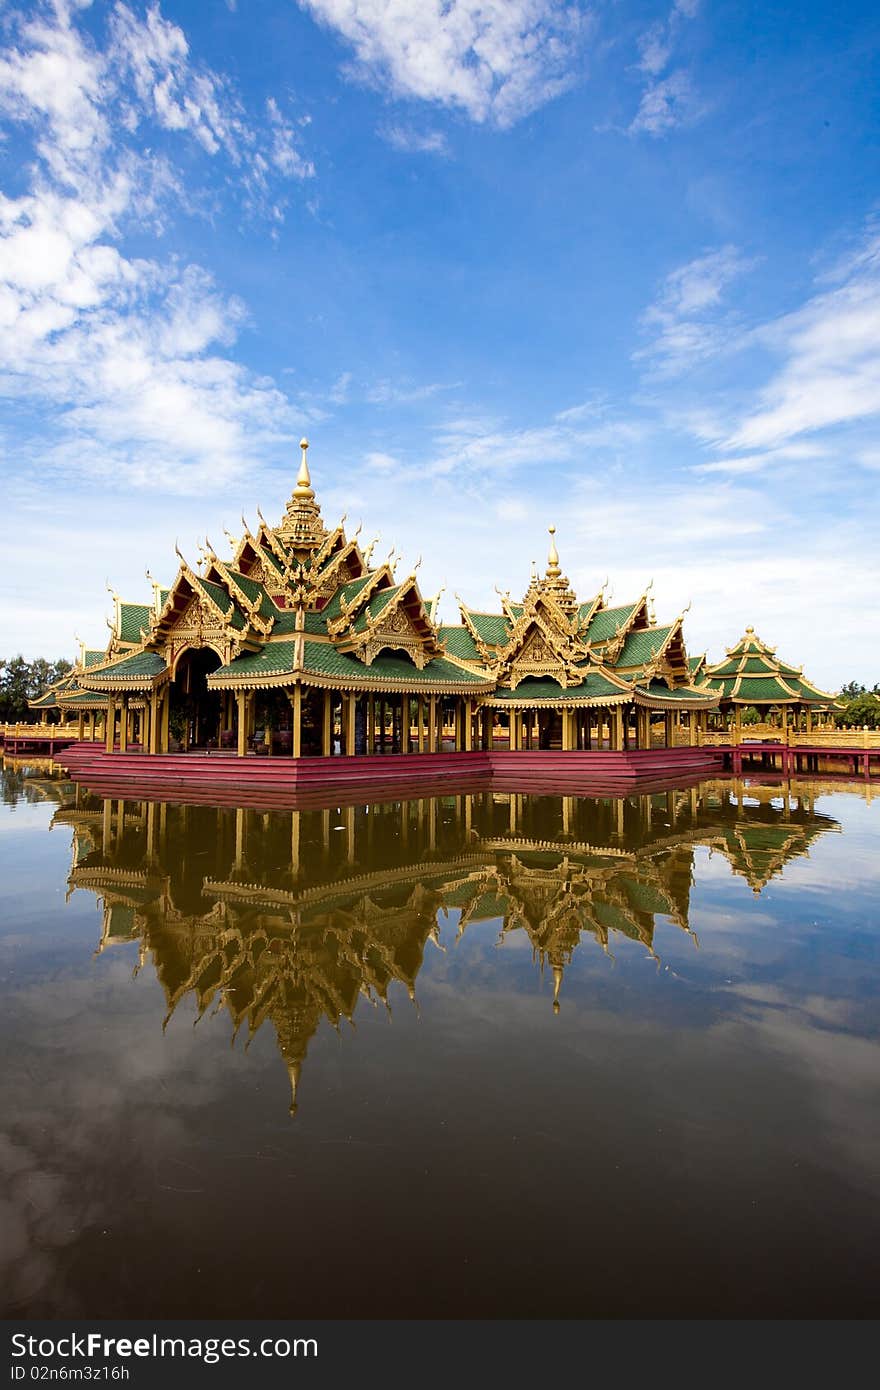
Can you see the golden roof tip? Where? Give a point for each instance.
(303, 479)
(553, 570)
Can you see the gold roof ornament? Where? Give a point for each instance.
(553, 570)
(555, 582)
(301, 526)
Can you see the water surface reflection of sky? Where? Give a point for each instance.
(544, 1056)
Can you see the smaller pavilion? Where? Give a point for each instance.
(752, 676)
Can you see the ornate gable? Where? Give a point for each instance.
(541, 644)
(388, 618)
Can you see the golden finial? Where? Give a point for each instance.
(534, 570)
(260, 515)
(231, 539)
(247, 529)
(179, 553)
(303, 480)
(553, 570)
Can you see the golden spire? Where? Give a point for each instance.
(302, 527)
(303, 480)
(553, 570)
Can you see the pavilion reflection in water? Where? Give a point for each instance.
(292, 917)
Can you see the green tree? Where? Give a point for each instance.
(863, 709)
(22, 680)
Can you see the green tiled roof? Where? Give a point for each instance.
(607, 621)
(493, 628)
(124, 668)
(314, 622)
(47, 701)
(285, 621)
(516, 609)
(640, 647)
(594, 687)
(272, 558)
(275, 659)
(254, 591)
(322, 658)
(93, 656)
(729, 668)
(252, 588)
(83, 697)
(163, 596)
(224, 602)
(378, 602)
(763, 689)
(349, 592)
(660, 691)
(133, 617)
(459, 642)
(215, 592)
(585, 609)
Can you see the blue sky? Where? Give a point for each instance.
(506, 262)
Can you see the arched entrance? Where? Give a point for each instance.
(194, 710)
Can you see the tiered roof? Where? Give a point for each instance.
(302, 602)
(752, 674)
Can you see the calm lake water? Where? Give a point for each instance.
(469, 1056)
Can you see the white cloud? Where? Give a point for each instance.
(125, 355)
(666, 104)
(683, 320)
(409, 141)
(405, 392)
(496, 60)
(668, 101)
(830, 350)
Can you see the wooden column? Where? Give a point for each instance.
(568, 740)
(327, 725)
(242, 702)
(420, 717)
(809, 720)
(350, 713)
(669, 725)
(111, 724)
(737, 723)
(80, 725)
(371, 723)
(296, 702)
(467, 724)
(617, 739)
(154, 722)
(432, 723)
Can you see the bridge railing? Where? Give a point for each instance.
(857, 739)
(42, 731)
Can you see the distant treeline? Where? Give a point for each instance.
(21, 681)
